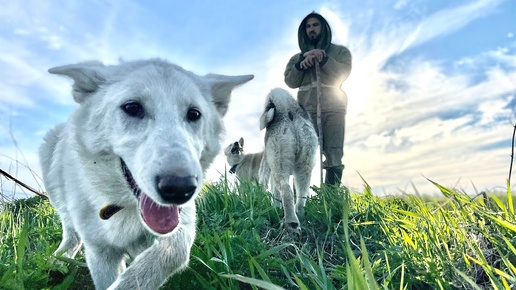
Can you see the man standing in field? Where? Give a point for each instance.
(314, 37)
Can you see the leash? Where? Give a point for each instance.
(319, 122)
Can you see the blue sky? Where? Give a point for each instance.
(431, 94)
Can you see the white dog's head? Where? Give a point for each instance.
(161, 122)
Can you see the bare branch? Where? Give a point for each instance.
(22, 184)
(512, 154)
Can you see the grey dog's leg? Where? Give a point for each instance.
(287, 196)
(265, 179)
(276, 197)
(302, 182)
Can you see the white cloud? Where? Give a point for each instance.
(503, 55)
(448, 21)
(400, 4)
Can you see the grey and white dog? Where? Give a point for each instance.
(124, 170)
(246, 166)
(290, 150)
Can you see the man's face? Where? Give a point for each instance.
(313, 29)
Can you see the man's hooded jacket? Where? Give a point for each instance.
(334, 69)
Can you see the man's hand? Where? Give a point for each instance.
(312, 57)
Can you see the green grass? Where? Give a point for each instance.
(349, 241)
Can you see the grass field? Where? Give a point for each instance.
(350, 240)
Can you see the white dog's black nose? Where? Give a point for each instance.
(176, 189)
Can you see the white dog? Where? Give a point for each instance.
(124, 170)
(290, 149)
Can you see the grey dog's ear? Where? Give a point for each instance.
(241, 141)
(266, 117)
(87, 78)
(221, 86)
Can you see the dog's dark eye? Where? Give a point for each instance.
(193, 114)
(133, 109)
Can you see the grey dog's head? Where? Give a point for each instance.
(235, 152)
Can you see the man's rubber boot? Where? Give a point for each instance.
(333, 176)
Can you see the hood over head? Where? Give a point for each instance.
(324, 40)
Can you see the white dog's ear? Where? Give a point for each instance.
(241, 142)
(87, 78)
(221, 87)
(266, 118)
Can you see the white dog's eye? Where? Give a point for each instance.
(193, 114)
(133, 109)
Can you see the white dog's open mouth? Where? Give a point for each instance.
(162, 219)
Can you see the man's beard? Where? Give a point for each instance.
(314, 39)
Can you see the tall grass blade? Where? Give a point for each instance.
(402, 275)
(273, 250)
(251, 281)
(503, 223)
(287, 275)
(300, 283)
(509, 198)
(260, 270)
(468, 279)
(367, 266)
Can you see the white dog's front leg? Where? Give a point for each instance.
(155, 265)
(105, 264)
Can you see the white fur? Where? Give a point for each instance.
(166, 149)
(290, 149)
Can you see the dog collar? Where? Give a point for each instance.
(108, 211)
(233, 169)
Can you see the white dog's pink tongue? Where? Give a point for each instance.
(161, 219)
